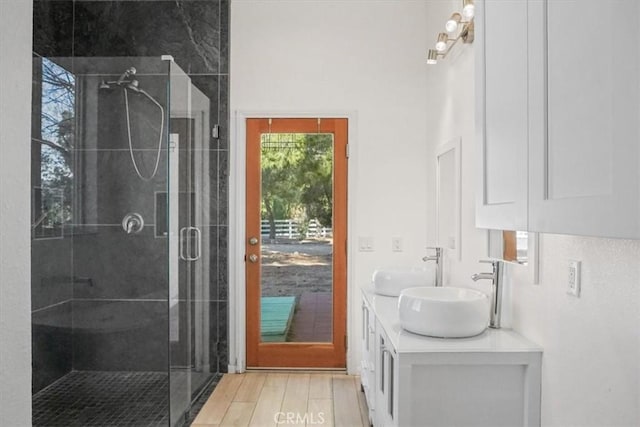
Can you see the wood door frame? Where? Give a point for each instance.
(297, 354)
(237, 169)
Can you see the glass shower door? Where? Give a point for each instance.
(189, 255)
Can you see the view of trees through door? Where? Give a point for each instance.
(296, 234)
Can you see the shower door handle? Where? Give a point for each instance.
(198, 245)
(187, 236)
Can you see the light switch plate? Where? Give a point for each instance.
(365, 244)
(573, 279)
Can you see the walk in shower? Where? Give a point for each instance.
(120, 242)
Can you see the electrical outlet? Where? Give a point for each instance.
(573, 279)
(365, 244)
(396, 244)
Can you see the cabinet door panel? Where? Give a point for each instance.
(584, 108)
(501, 114)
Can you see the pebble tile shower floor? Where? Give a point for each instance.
(90, 398)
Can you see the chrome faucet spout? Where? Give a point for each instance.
(438, 260)
(481, 276)
(496, 290)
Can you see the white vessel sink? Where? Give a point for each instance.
(391, 282)
(444, 312)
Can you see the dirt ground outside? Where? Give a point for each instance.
(291, 267)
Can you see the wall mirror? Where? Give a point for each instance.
(516, 247)
(448, 196)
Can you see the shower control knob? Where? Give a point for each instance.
(132, 223)
(253, 258)
(253, 241)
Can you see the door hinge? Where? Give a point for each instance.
(215, 132)
(347, 151)
(345, 342)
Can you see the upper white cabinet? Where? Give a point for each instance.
(501, 113)
(558, 117)
(584, 117)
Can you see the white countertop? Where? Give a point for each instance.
(491, 340)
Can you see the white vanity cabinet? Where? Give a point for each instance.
(501, 114)
(584, 112)
(558, 116)
(489, 380)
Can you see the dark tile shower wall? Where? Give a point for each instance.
(123, 267)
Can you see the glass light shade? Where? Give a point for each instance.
(452, 23)
(441, 44)
(469, 9)
(432, 58)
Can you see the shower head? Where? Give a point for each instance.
(129, 72)
(104, 85)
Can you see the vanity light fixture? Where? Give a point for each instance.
(441, 44)
(455, 24)
(432, 58)
(452, 23)
(468, 9)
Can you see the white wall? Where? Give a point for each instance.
(364, 57)
(15, 259)
(591, 362)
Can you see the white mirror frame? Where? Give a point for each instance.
(455, 146)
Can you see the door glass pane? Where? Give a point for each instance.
(296, 237)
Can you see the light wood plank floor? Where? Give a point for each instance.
(285, 399)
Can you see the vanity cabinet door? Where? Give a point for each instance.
(584, 117)
(501, 114)
(367, 364)
(386, 381)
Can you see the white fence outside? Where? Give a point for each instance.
(291, 229)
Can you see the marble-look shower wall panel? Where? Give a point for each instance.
(120, 335)
(121, 265)
(51, 344)
(222, 201)
(224, 113)
(51, 272)
(53, 28)
(223, 263)
(217, 195)
(122, 191)
(218, 259)
(224, 36)
(189, 30)
(147, 122)
(219, 320)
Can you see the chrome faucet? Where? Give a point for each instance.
(438, 260)
(496, 290)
